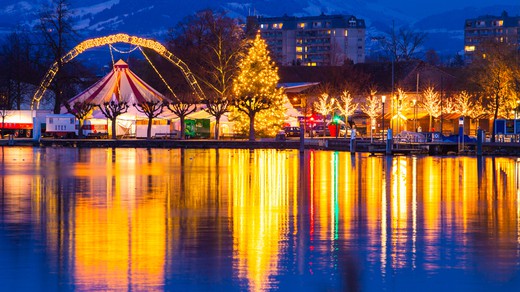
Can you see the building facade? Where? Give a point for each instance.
(503, 28)
(325, 40)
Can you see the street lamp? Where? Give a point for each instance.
(383, 98)
(415, 114)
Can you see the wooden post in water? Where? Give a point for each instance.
(352, 141)
(480, 139)
(389, 142)
(302, 135)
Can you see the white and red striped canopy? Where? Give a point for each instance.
(121, 84)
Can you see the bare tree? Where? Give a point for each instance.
(183, 105)
(151, 109)
(211, 43)
(403, 45)
(56, 27)
(111, 110)
(494, 73)
(17, 67)
(4, 112)
(80, 110)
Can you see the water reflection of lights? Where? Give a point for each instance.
(517, 181)
(126, 225)
(260, 216)
(399, 210)
(414, 211)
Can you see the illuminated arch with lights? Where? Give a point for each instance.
(111, 39)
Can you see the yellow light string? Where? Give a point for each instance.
(124, 52)
(158, 73)
(112, 56)
(116, 38)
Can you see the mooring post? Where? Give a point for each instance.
(389, 142)
(352, 141)
(480, 140)
(302, 135)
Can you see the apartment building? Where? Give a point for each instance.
(324, 40)
(503, 28)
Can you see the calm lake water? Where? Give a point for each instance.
(262, 220)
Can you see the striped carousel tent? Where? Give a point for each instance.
(121, 84)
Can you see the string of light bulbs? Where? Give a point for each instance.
(158, 73)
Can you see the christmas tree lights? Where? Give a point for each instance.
(257, 96)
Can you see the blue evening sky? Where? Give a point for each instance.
(428, 7)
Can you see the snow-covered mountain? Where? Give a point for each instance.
(153, 18)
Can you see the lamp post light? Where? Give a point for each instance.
(383, 98)
(415, 114)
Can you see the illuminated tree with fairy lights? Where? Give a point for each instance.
(346, 105)
(256, 96)
(432, 104)
(463, 104)
(324, 106)
(372, 107)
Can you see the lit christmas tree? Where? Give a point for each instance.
(257, 97)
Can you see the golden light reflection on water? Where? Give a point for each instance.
(261, 205)
(133, 218)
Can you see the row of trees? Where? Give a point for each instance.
(430, 101)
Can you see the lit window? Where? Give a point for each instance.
(301, 25)
(262, 26)
(299, 49)
(277, 25)
(346, 32)
(498, 22)
(469, 48)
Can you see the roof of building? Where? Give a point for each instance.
(380, 74)
(508, 21)
(336, 20)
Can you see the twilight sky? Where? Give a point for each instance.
(428, 7)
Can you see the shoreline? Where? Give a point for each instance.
(332, 144)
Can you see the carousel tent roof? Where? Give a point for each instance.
(121, 84)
